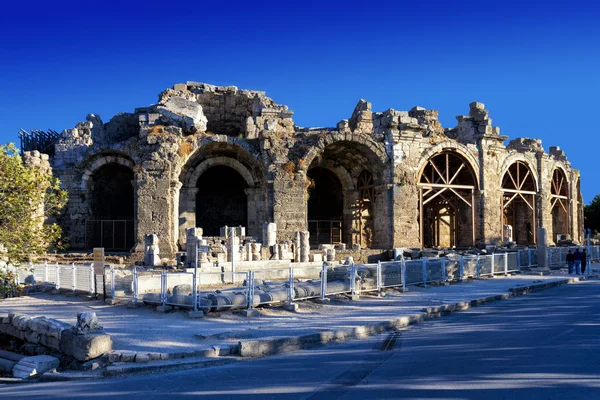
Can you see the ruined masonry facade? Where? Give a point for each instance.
(379, 179)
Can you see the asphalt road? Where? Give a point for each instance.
(541, 346)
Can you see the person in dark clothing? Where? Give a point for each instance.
(577, 257)
(570, 262)
(583, 261)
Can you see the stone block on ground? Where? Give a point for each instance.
(86, 346)
(36, 365)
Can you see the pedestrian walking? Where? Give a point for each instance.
(571, 262)
(583, 261)
(577, 256)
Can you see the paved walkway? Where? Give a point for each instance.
(145, 330)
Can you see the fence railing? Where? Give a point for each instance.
(74, 277)
(557, 256)
(268, 286)
(299, 283)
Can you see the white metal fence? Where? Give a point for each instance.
(74, 277)
(287, 285)
(300, 283)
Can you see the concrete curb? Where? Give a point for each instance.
(261, 348)
(189, 363)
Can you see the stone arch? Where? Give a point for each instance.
(375, 151)
(238, 146)
(560, 201)
(519, 204)
(110, 199)
(221, 152)
(511, 159)
(93, 164)
(347, 156)
(447, 200)
(451, 146)
(194, 173)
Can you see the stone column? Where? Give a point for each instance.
(233, 242)
(186, 217)
(289, 204)
(193, 238)
(304, 249)
(544, 199)
(255, 251)
(154, 210)
(488, 200)
(151, 251)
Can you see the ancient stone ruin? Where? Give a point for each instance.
(211, 157)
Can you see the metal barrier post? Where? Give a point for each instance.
(92, 286)
(352, 279)
(323, 280)
(17, 278)
(519, 260)
(57, 277)
(112, 281)
(461, 268)
(506, 264)
(379, 277)
(163, 287)
(194, 278)
(291, 278)
(529, 257)
(444, 277)
(403, 272)
(73, 276)
(493, 264)
(250, 290)
(424, 261)
(478, 267)
(135, 284)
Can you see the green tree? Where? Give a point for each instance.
(29, 198)
(592, 214)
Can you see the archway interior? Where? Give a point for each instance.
(447, 196)
(325, 207)
(518, 203)
(112, 207)
(221, 200)
(559, 198)
(365, 209)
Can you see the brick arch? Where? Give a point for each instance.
(513, 158)
(375, 151)
(99, 161)
(451, 146)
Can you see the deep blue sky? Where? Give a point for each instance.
(534, 64)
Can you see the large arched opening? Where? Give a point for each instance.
(347, 180)
(447, 202)
(221, 200)
(112, 208)
(222, 183)
(518, 203)
(559, 204)
(325, 207)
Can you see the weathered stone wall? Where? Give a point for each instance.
(196, 126)
(55, 335)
